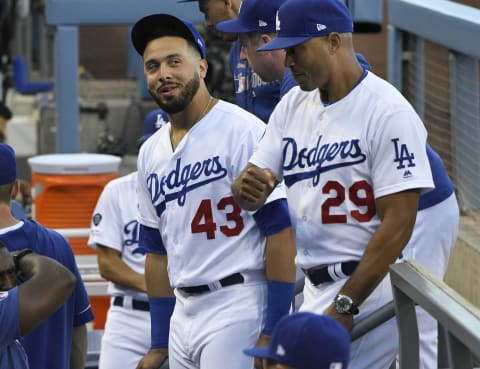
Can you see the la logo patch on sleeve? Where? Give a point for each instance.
(97, 218)
(402, 155)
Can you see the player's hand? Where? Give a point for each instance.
(252, 187)
(344, 319)
(263, 340)
(154, 359)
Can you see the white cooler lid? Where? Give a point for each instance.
(74, 163)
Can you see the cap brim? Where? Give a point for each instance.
(283, 43)
(233, 26)
(260, 352)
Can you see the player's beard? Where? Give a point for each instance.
(177, 104)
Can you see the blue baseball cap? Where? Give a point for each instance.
(300, 20)
(185, 1)
(307, 341)
(8, 165)
(254, 16)
(152, 122)
(157, 25)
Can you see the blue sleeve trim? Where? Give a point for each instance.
(443, 185)
(280, 296)
(273, 217)
(150, 240)
(161, 310)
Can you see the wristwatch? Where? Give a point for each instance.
(344, 305)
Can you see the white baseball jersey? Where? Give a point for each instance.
(337, 159)
(114, 224)
(186, 195)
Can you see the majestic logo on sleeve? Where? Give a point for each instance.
(402, 156)
(310, 162)
(175, 184)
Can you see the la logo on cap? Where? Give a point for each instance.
(160, 121)
(277, 22)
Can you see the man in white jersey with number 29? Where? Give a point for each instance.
(231, 271)
(351, 151)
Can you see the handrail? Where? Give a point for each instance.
(413, 285)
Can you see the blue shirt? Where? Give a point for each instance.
(17, 210)
(251, 92)
(48, 346)
(443, 185)
(12, 355)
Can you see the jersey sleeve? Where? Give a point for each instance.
(273, 217)
(9, 320)
(146, 211)
(399, 157)
(268, 151)
(105, 225)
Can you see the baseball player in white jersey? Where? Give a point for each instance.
(114, 234)
(230, 272)
(351, 152)
(436, 225)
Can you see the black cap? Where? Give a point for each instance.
(155, 25)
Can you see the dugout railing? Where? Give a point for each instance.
(458, 320)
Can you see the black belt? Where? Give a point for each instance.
(136, 304)
(330, 273)
(236, 278)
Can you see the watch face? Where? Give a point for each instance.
(343, 304)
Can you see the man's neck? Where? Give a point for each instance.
(6, 217)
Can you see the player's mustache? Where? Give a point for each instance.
(167, 86)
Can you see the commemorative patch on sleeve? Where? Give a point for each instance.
(97, 218)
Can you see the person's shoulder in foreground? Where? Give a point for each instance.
(305, 340)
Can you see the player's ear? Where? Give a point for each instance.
(203, 68)
(15, 189)
(265, 37)
(335, 41)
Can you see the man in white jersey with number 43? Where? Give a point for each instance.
(218, 277)
(351, 152)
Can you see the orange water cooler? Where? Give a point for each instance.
(65, 189)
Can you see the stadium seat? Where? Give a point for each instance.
(21, 80)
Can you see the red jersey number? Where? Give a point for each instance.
(203, 221)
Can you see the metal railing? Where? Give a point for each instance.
(458, 319)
